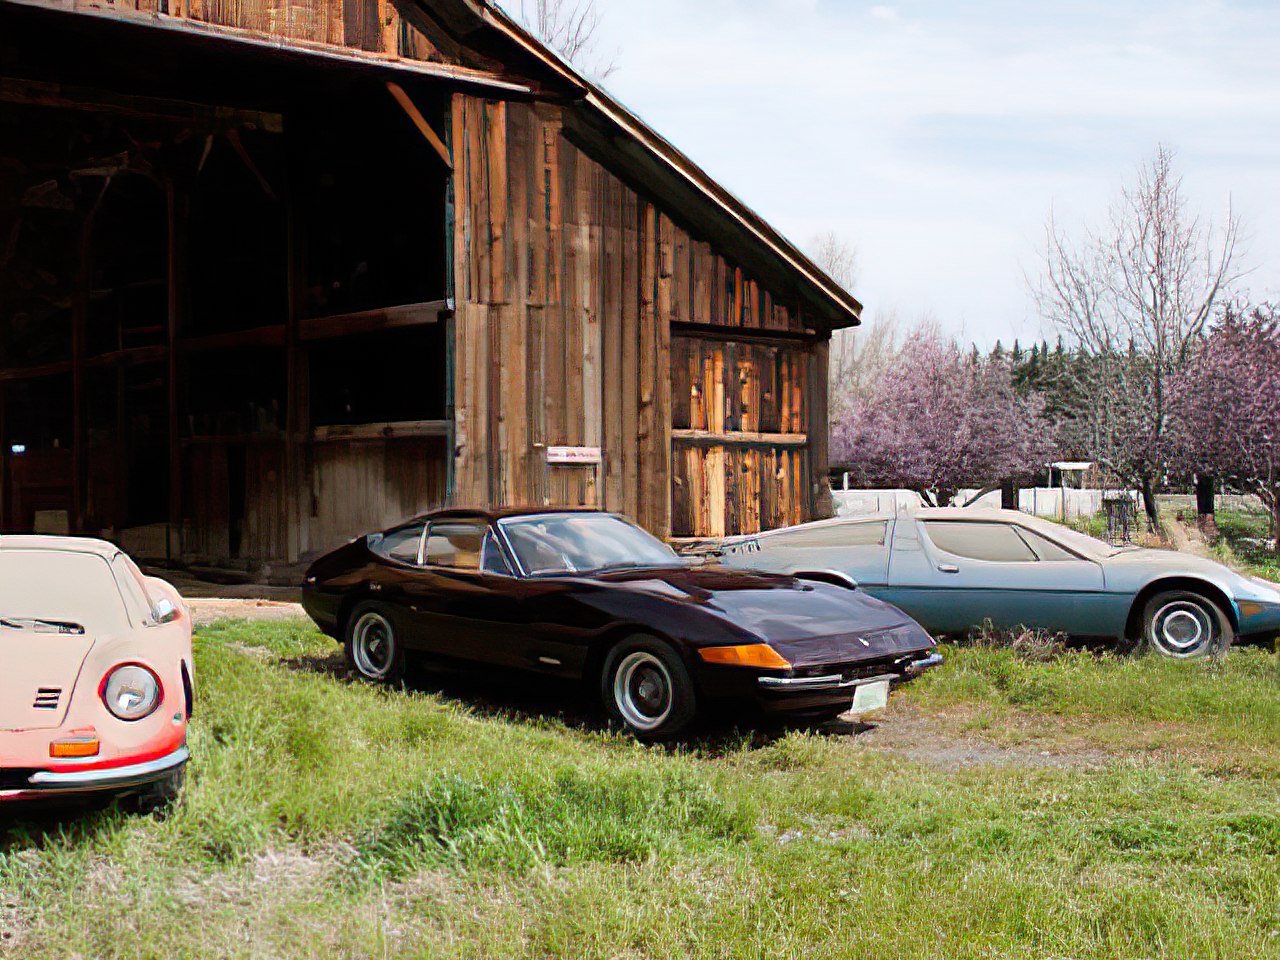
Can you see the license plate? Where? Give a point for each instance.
(871, 697)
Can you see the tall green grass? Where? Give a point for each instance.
(325, 818)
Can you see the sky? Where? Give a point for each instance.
(935, 137)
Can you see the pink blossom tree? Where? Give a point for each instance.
(1226, 404)
(937, 420)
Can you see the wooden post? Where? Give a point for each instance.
(177, 206)
(819, 428)
(295, 398)
(79, 324)
(4, 461)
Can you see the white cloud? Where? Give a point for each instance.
(888, 14)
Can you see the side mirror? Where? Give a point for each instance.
(166, 611)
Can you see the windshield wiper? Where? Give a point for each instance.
(18, 623)
(637, 565)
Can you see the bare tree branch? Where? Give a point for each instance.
(570, 28)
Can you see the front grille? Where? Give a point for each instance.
(47, 698)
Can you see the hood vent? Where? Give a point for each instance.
(47, 698)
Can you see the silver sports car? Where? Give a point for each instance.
(953, 569)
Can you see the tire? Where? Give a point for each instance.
(161, 794)
(1184, 625)
(372, 649)
(647, 688)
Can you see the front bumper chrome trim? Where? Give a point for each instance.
(111, 778)
(810, 684)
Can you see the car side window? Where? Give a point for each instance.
(1045, 548)
(455, 545)
(403, 544)
(993, 542)
(492, 559)
(862, 534)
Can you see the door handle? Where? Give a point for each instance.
(948, 568)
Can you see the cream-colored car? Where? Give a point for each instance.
(95, 673)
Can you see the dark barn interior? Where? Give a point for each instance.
(185, 286)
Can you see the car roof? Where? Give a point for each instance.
(89, 545)
(501, 513)
(975, 513)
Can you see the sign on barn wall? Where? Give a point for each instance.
(575, 456)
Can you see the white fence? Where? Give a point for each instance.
(1038, 501)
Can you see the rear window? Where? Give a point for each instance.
(401, 544)
(62, 585)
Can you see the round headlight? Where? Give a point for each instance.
(131, 692)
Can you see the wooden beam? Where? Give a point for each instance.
(131, 356)
(212, 118)
(36, 373)
(739, 439)
(419, 121)
(383, 431)
(372, 321)
(272, 335)
(702, 331)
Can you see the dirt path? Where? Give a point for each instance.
(941, 739)
(205, 610)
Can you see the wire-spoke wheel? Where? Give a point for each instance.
(1185, 626)
(371, 648)
(646, 686)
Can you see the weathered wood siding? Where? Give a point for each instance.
(568, 284)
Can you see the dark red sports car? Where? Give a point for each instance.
(589, 596)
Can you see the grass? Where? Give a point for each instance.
(324, 818)
(1243, 542)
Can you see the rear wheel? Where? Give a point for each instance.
(372, 649)
(646, 687)
(1184, 625)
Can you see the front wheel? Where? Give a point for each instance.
(1183, 625)
(646, 686)
(372, 649)
(160, 795)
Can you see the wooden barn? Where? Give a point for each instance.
(276, 273)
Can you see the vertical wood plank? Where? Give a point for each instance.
(649, 428)
(615, 429)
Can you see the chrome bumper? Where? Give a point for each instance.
(816, 684)
(112, 778)
(836, 682)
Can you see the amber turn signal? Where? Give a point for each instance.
(747, 655)
(74, 747)
(1250, 609)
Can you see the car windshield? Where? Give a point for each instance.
(560, 543)
(59, 586)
